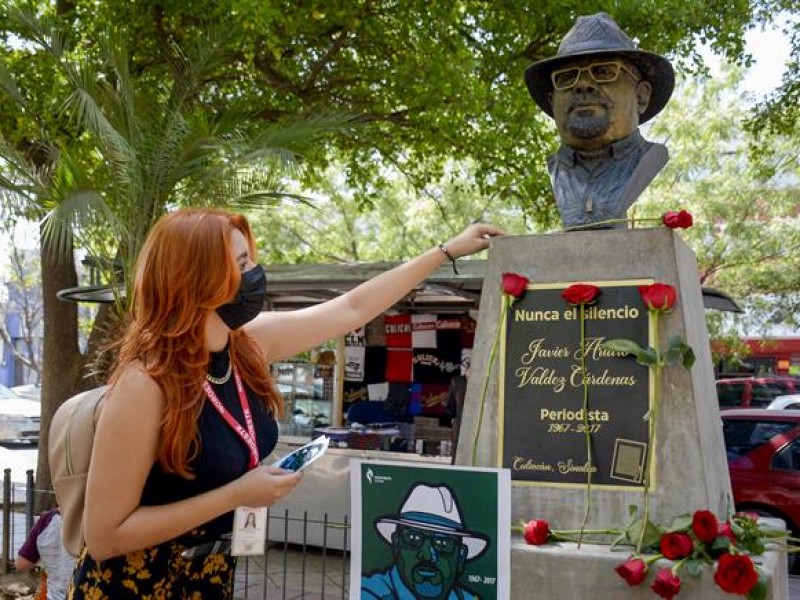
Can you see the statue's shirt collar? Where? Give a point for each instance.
(616, 150)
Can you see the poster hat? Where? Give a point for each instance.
(432, 508)
(599, 34)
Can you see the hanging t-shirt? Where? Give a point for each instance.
(467, 331)
(398, 331)
(434, 399)
(378, 392)
(399, 365)
(415, 399)
(448, 331)
(436, 365)
(466, 361)
(354, 391)
(397, 400)
(423, 331)
(357, 337)
(354, 363)
(375, 365)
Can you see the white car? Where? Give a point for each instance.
(29, 391)
(19, 418)
(786, 402)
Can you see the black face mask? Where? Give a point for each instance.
(249, 300)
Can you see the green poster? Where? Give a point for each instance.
(429, 531)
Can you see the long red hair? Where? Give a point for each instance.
(185, 270)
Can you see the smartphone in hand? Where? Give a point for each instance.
(301, 458)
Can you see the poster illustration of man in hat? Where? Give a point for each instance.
(417, 539)
(599, 88)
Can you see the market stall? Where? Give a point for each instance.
(386, 386)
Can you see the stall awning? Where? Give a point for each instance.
(295, 286)
(300, 285)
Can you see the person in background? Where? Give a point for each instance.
(192, 411)
(43, 544)
(455, 401)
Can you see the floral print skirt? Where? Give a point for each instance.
(155, 573)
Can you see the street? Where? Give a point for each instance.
(19, 459)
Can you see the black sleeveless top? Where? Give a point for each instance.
(223, 455)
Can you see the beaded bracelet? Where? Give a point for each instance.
(444, 249)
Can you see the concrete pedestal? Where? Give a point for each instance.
(691, 471)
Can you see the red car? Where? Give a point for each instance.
(755, 392)
(763, 448)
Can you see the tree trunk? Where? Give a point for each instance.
(61, 357)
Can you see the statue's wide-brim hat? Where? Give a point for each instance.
(433, 509)
(598, 35)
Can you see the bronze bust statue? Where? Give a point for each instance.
(599, 88)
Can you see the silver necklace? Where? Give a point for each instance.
(224, 378)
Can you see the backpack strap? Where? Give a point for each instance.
(84, 405)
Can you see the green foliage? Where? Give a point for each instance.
(633, 535)
(745, 234)
(154, 147)
(678, 351)
(392, 221)
(680, 523)
(448, 132)
(431, 81)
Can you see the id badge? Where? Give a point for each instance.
(249, 531)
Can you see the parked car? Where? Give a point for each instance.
(788, 402)
(29, 391)
(755, 392)
(19, 418)
(763, 448)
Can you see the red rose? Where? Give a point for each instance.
(736, 574)
(666, 584)
(633, 571)
(726, 530)
(705, 525)
(514, 284)
(674, 220)
(676, 545)
(581, 293)
(659, 297)
(536, 532)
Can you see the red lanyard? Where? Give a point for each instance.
(249, 436)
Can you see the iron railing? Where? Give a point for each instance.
(304, 558)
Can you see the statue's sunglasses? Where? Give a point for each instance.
(600, 72)
(412, 537)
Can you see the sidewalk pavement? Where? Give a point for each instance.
(290, 574)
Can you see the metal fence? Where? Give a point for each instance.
(311, 562)
(304, 558)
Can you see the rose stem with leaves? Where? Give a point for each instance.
(652, 415)
(507, 300)
(586, 432)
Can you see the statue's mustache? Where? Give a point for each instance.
(592, 98)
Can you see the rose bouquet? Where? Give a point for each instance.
(689, 545)
(695, 542)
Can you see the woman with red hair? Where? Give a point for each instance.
(191, 409)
